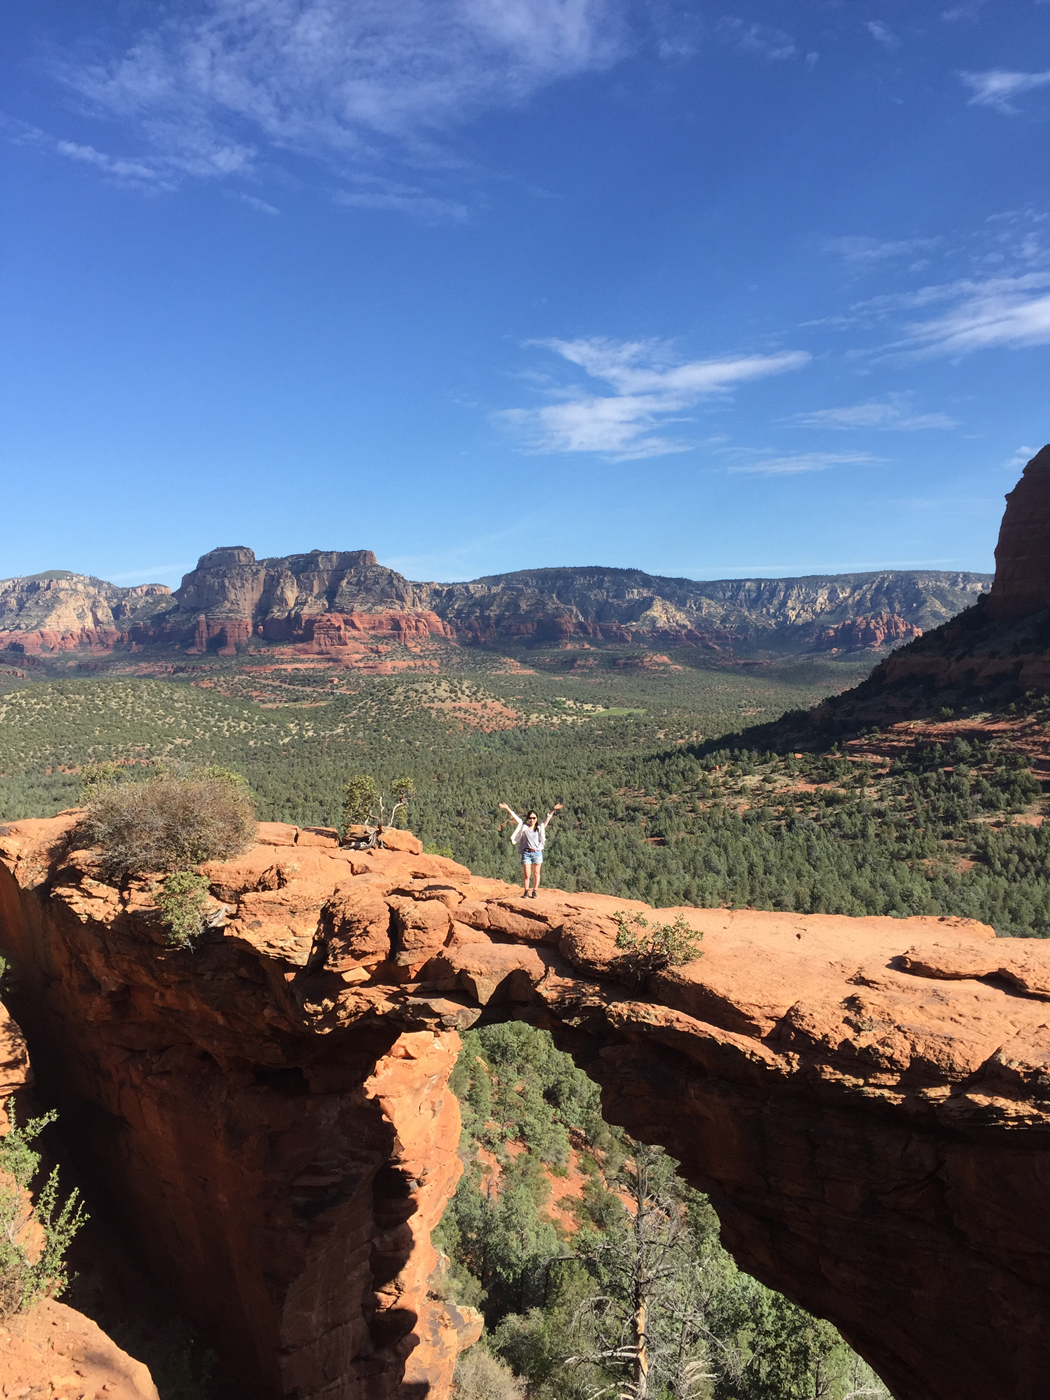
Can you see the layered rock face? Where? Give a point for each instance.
(1022, 555)
(314, 598)
(868, 633)
(865, 1100)
(553, 605)
(323, 602)
(70, 612)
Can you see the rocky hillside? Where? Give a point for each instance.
(333, 602)
(993, 652)
(819, 612)
(59, 610)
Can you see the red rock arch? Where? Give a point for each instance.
(865, 1100)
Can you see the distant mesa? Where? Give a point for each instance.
(333, 602)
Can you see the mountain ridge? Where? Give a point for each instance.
(320, 598)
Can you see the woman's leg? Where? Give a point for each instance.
(537, 870)
(525, 876)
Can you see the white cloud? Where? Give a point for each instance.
(154, 574)
(1020, 459)
(650, 390)
(141, 173)
(761, 39)
(1007, 312)
(882, 34)
(804, 462)
(234, 82)
(259, 205)
(995, 87)
(373, 192)
(860, 249)
(892, 412)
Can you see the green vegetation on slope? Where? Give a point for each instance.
(561, 1291)
(654, 809)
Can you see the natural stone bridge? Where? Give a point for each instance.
(867, 1101)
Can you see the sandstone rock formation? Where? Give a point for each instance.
(993, 651)
(70, 612)
(865, 1100)
(333, 603)
(874, 633)
(627, 605)
(1022, 556)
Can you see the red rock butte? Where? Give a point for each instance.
(1022, 556)
(867, 1101)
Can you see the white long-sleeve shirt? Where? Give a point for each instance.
(527, 838)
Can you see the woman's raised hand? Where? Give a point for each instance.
(557, 806)
(503, 807)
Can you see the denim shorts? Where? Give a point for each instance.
(532, 857)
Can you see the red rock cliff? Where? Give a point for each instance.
(1022, 556)
(865, 1099)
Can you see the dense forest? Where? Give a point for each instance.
(598, 1270)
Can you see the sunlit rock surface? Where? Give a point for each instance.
(866, 1100)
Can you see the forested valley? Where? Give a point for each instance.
(662, 803)
(598, 1270)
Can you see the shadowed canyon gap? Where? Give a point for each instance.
(864, 1099)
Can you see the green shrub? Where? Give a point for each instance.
(24, 1280)
(182, 901)
(95, 776)
(168, 823)
(649, 948)
(365, 803)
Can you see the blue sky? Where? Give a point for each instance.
(707, 289)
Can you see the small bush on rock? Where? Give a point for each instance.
(182, 901)
(649, 948)
(169, 823)
(366, 804)
(44, 1229)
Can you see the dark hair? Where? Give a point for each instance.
(532, 814)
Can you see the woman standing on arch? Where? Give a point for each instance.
(530, 837)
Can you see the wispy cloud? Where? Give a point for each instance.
(969, 10)
(234, 84)
(882, 34)
(1020, 458)
(378, 192)
(893, 412)
(997, 86)
(1007, 312)
(763, 40)
(804, 462)
(154, 574)
(650, 389)
(861, 249)
(259, 205)
(139, 172)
